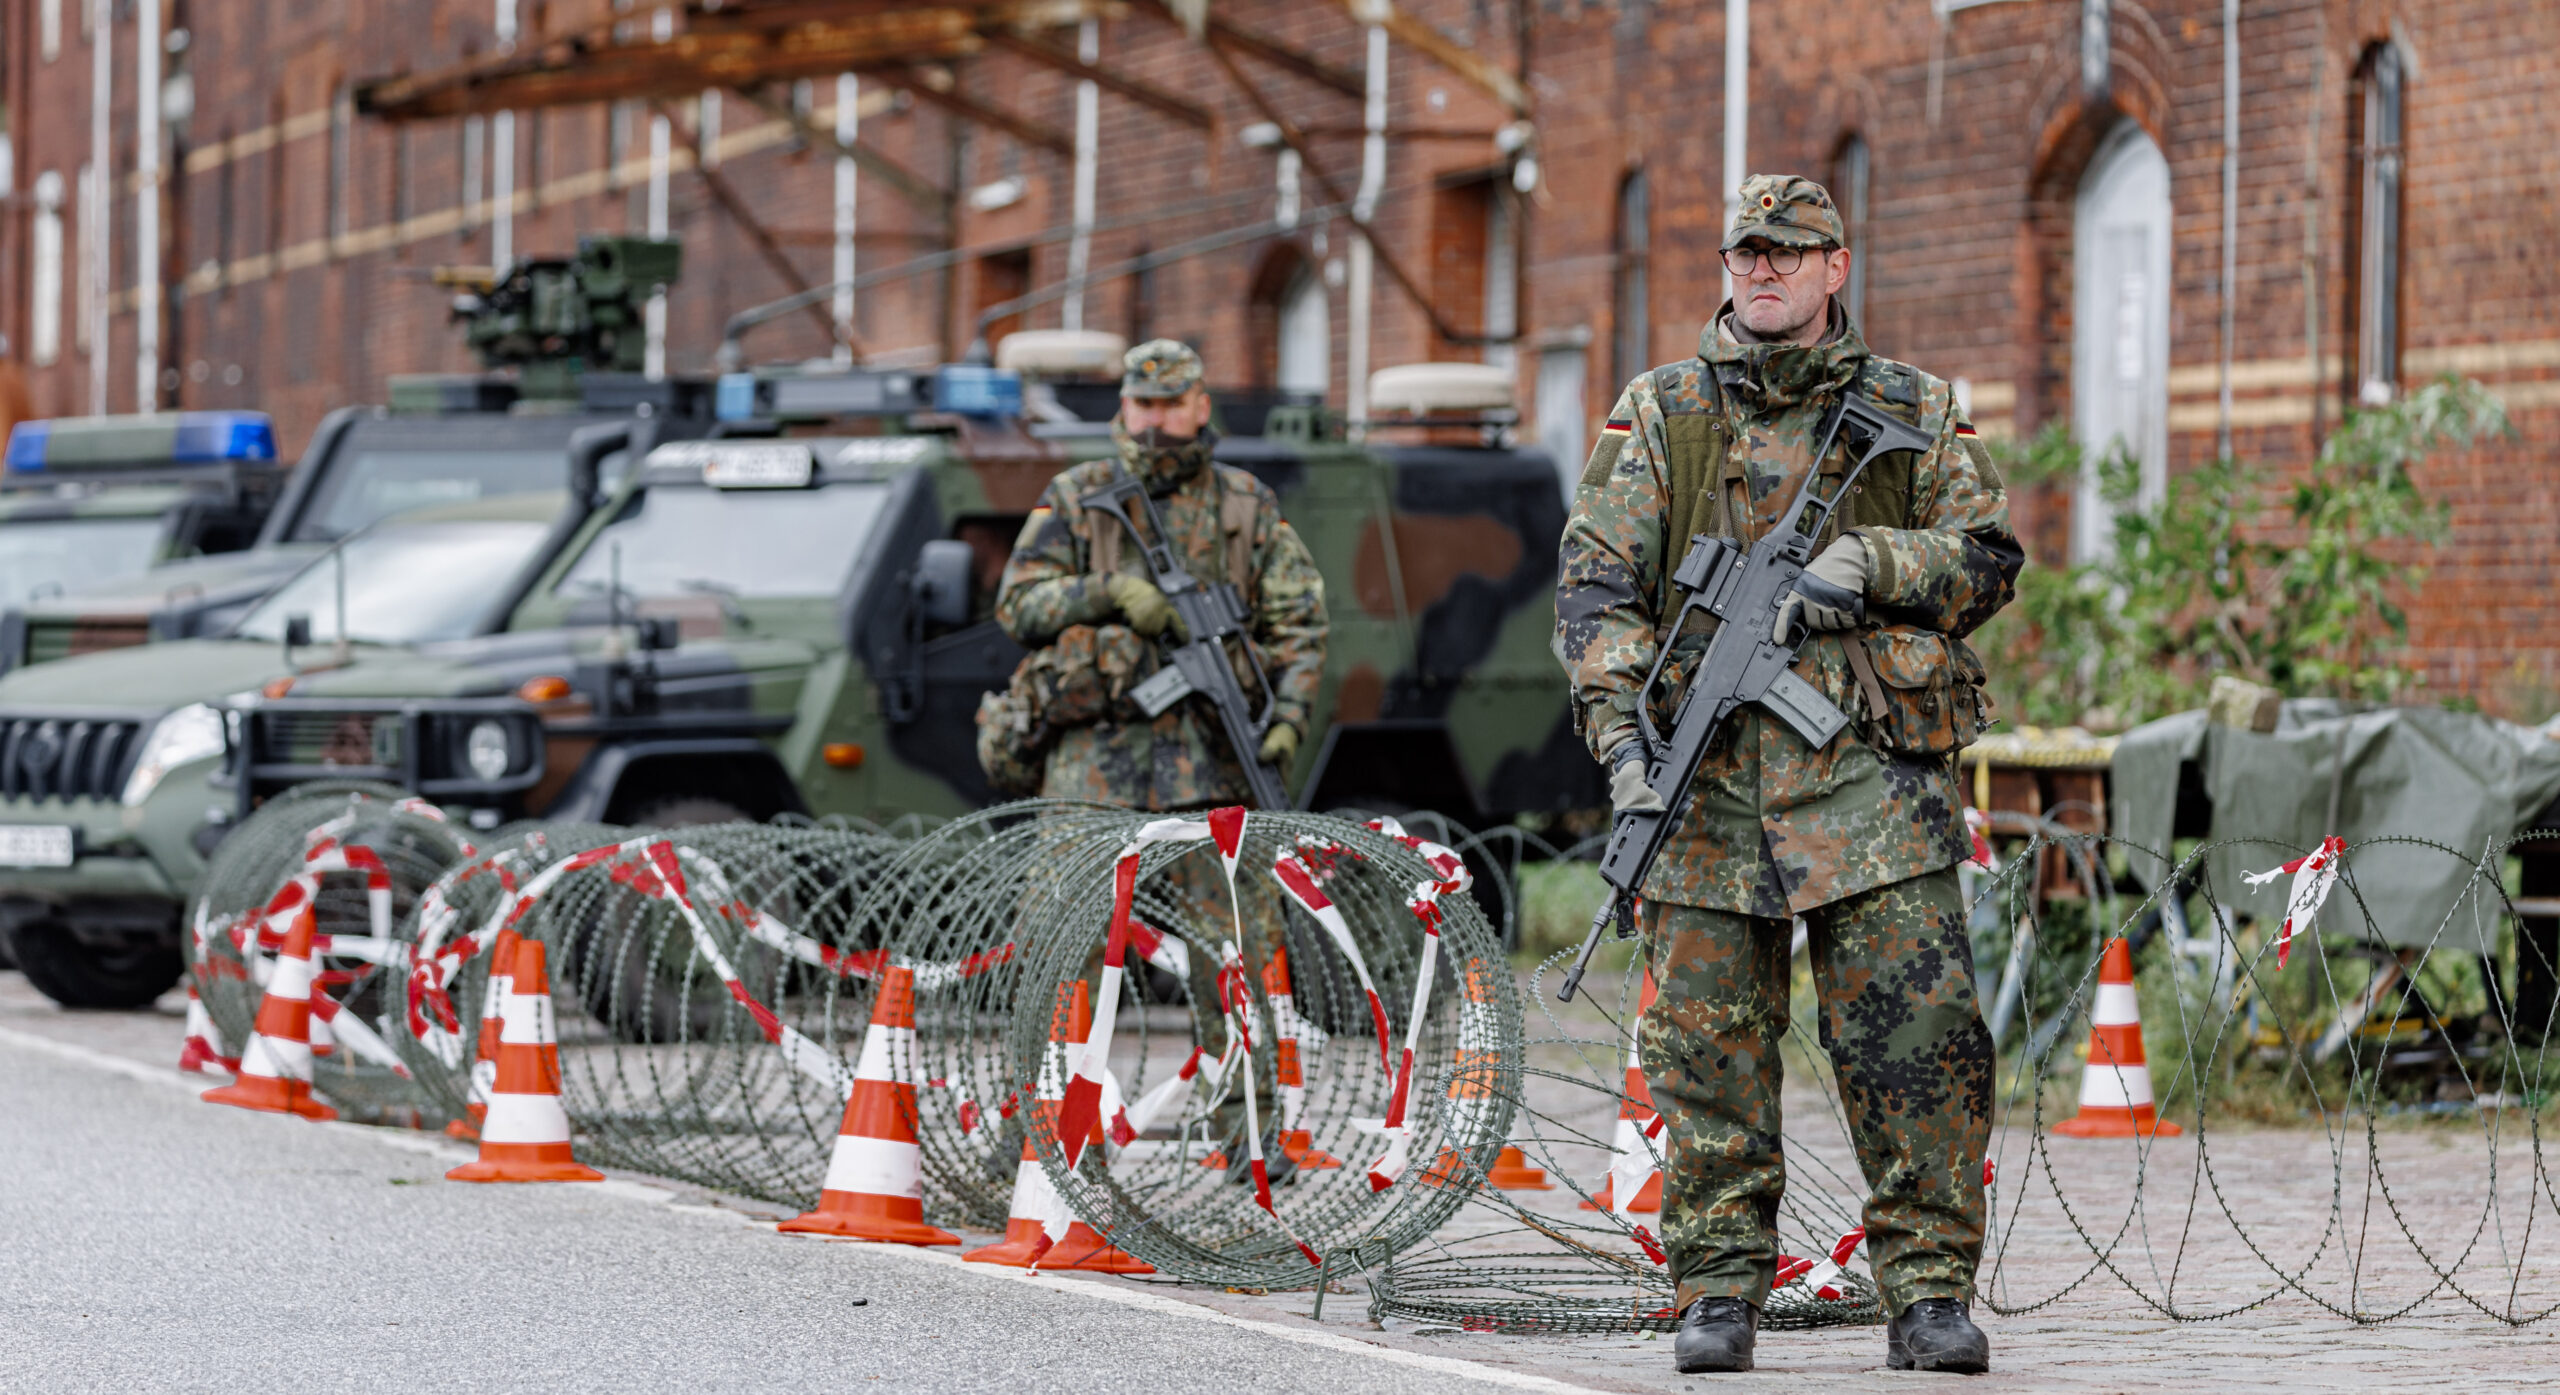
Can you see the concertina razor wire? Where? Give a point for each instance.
(714, 983)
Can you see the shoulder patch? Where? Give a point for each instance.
(1604, 456)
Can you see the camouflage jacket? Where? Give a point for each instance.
(1051, 584)
(1718, 445)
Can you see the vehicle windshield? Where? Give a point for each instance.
(407, 583)
(376, 482)
(40, 558)
(681, 540)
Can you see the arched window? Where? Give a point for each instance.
(1849, 190)
(1304, 359)
(2120, 323)
(2381, 76)
(1630, 348)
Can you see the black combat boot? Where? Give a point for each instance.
(1275, 1164)
(1935, 1334)
(1716, 1334)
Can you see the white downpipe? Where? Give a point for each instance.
(1364, 206)
(101, 197)
(1737, 116)
(2230, 213)
(502, 190)
(502, 158)
(1088, 135)
(146, 206)
(662, 27)
(848, 126)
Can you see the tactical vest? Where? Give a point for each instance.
(1237, 508)
(1710, 486)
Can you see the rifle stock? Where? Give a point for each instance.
(1739, 592)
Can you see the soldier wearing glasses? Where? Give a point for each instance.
(1860, 837)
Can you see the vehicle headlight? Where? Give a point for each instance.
(484, 749)
(191, 733)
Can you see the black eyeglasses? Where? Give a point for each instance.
(1782, 260)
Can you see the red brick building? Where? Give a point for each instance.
(2178, 222)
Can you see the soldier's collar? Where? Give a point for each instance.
(1775, 375)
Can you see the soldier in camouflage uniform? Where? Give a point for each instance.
(1860, 838)
(1075, 584)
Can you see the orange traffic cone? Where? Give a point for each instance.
(275, 1071)
(199, 1054)
(484, 1058)
(2115, 1088)
(875, 1180)
(1633, 1112)
(1081, 1247)
(1470, 1091)
(1035, 1197)
(1297, 1143)
(525, 1135)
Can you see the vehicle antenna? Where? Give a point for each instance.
(339, 553)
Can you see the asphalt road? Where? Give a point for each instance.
(158, 1243)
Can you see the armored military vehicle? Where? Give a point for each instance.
(557, 338)
(88, 501)
(836, 667)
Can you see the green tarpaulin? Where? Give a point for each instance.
(2458, 779)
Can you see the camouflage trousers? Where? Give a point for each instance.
(1893, 973)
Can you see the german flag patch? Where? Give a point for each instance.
(1965, 429)
(1617, 428)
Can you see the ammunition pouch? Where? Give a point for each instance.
(1080, 678)
(1922, 691)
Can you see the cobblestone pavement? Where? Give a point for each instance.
(2086, 1326)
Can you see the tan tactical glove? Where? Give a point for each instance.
(1149, 613)
(1628, 793)
(1828, 595)
(1280, 745)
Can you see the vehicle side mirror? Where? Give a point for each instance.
(940, 584)
(297, 632)
(659, 631)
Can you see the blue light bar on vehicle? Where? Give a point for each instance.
(72, 444)
(970, 390)
(27, 441)
(205, 437)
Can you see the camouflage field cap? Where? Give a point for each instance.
(1789, 210)
(1160, 368)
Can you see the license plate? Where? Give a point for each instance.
(35, 845)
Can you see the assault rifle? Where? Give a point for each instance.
(1212, 613)
(1746, 660)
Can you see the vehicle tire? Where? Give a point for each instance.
(130, 973)
(687, 811)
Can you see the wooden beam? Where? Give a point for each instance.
(1146, 94)
(927, 197)
(596, 68)
(949, 97)
(1419, 33)
(1296, 140)
(1279, 55)
(738, 210)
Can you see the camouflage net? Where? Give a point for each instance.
(713, 986)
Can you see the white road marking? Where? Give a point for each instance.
(653, 1195)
